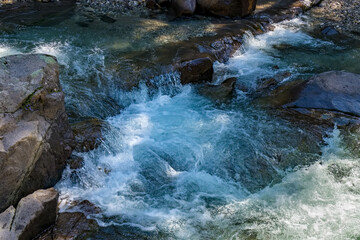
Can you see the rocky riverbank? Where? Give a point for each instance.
(341, 15)
(35, 141)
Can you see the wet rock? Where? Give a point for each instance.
(34, 213)
(88, 134)
(75, 162)
(283, 94)
(268, 83)
(196, 70)
(219, 92)
(85, 207)
(36, 137)
(183, 7)
(231, 8)
(73, 224)
(335, 91)
(329, 31)
(332, 97)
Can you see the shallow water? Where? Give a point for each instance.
(176, 165)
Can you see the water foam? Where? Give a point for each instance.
(317, 202)
(264, 56)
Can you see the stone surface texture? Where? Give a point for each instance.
(331, 91)
(35, 136)
(34, 213)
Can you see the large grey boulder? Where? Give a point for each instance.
(330, 91)
(34, 213)
(337, 91)
(35, 136)
(227, 8)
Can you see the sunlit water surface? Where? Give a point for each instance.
(176, 165)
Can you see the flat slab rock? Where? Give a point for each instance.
(336, 91)
(34, 213)
(331, 91)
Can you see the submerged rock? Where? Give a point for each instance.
(36, 137)
(34, 213)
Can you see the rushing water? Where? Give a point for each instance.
(176, 165)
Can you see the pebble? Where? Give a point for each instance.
(114, 7)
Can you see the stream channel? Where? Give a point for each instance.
(175, 164)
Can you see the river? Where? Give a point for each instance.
(175, 164)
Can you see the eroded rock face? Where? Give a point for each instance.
(34, 213)
(227, 8)
(35, 136)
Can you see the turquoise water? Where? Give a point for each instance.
(177, 165)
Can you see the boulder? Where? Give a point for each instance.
(35, 136)
(34, 213)
(183, 7)
(196, 71)
(334, 91)
(227, 8)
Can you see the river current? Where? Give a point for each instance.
(177, 165)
